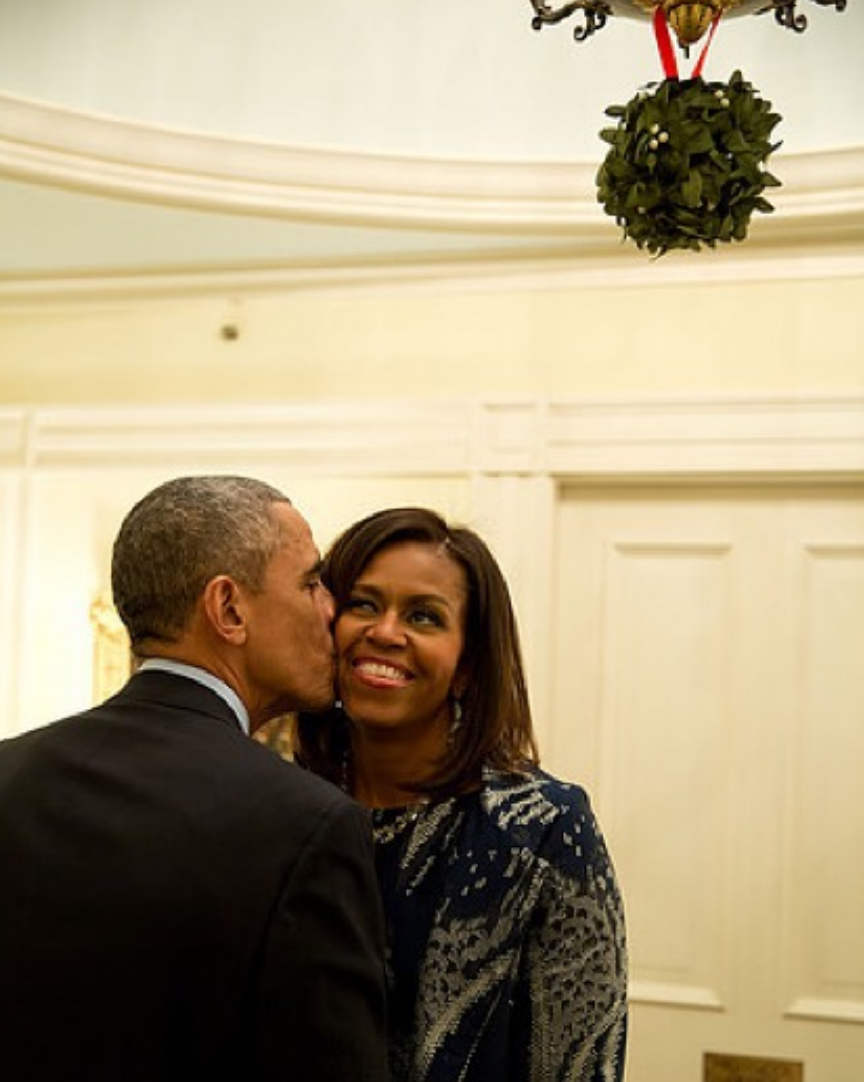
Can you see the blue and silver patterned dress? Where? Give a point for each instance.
(506, 944)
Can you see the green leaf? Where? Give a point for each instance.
(699, 141)
(736, 143)
(691, 189)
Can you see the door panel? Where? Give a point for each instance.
(708, 687)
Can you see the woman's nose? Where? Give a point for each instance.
(386, 629)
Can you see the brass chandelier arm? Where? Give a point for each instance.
(786, 15)
(595, 13)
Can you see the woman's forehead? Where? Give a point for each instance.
(420, 562)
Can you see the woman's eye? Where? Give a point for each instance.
(359, 605)
(426, 617)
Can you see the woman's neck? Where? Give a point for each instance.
(384, 767)
(380, 794)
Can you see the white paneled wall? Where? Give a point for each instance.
(708, 687)
(67, 475)
(689, 577)
(824, 970)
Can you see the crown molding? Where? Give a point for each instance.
(47, 144)
(603, 265)
(817, 230)
(829, 252)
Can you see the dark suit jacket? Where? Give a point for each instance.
(176, 902)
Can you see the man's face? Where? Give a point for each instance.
(289, 654)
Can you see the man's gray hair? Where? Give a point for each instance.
(180, 536)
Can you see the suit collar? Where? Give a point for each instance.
(178, 692)
(207, 679)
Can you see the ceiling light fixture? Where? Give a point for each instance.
(689, 19)
(687, 161)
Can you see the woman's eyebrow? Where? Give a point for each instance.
(412, 599)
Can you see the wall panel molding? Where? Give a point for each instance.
(824, 960)
(674, 995)
(391, 438)
(581, 440)
(826, 1010)
(715, 437)
(11, 561)
(711, 437)
(13, 437)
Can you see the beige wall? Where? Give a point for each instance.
(688, 338)
(699, 380)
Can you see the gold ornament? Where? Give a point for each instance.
(689, 21)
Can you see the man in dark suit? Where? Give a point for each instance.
(176, 902)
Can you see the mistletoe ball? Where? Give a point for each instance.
(686, 164)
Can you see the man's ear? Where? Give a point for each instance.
(224, 609)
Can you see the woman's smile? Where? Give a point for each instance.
(382, 674)
(400, 637)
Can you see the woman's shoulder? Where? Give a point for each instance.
(534, 788)
(534, 801)
(548, 817)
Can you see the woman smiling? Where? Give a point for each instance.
(505, 930)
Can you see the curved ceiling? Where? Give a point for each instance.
(431, 79)
(446, 83)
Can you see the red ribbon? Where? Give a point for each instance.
(664, 43)
(667, 50)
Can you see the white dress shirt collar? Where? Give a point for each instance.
(193, 672)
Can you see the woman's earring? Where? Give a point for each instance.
(455, 720)
(345, 772)
(346, 765)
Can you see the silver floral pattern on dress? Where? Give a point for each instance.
(506, 941)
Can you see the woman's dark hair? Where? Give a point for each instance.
(496, 728)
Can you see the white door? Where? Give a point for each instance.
(708, 688)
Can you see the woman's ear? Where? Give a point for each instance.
(224, 609)
(460, 681)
